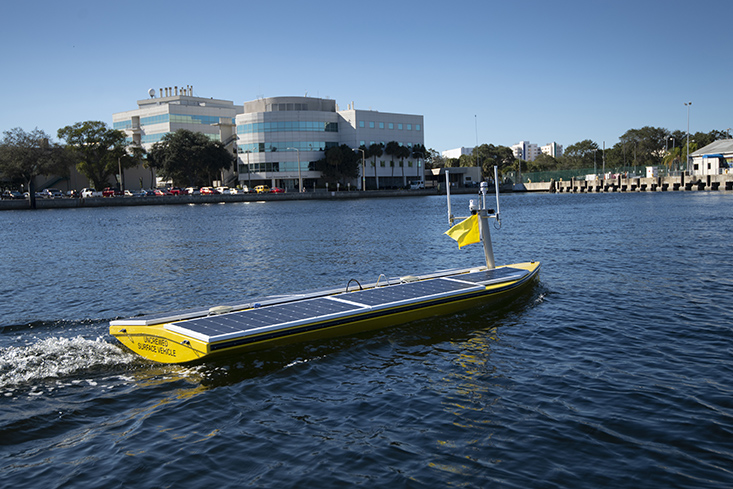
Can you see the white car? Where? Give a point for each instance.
(417, 185)
(223, 190)
(90, 192)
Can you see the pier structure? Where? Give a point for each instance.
(635, 184)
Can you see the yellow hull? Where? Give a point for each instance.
(171, 341)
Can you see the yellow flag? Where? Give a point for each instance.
(465, 232)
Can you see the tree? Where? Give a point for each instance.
(434, 159)
(376, 150)
(402, 153)
(340, 163)
(489, 156)
(26, 155)
(98, 150)
(579, 155)
(391, 149)
(189, 158)
(648, 144)
(543, 162)
(420, 153)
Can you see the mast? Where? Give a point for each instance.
(484, 214)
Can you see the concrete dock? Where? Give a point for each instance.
(635, 184)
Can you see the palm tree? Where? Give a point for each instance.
(375, 151)
(402, 153)
(392, 148)
(419, 152)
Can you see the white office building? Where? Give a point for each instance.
(553, 149)
(280, 138)
(524, 150)
(456, 153)
(173, 108)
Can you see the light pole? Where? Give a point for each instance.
(688, 104)
(300, 178)
(363, 175)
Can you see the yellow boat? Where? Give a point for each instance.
(195, 335)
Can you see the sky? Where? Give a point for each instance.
(488, 71)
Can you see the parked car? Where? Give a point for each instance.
(243, 190)
(111, 192)
(277, 190)
(90, 192)
(176, 191)
(159, 192)
(72, 194)
(13, 194)
(51, 193)
(208, 191)
(223, 190)
(262, 189)
(193, 191)
(417, 185)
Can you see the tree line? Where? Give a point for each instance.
(99, 152)
(648, 146)
(192, 159)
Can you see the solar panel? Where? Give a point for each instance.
(405, 292)
(224, 326)
(258, 320)
(491, 276)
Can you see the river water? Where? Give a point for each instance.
(615, 370)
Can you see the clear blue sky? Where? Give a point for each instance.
(493, 71)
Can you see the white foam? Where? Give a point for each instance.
(56, 357)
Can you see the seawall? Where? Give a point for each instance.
(636, 184)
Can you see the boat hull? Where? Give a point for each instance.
(200, 336)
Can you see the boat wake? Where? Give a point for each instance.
(55, 357)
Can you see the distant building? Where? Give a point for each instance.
(553, 149)
(457, 153)
(524, 150)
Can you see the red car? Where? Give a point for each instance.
(111, 192)
(208, 191)
(176, 191)
(277, 190)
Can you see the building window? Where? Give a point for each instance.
(381, 163)
(371, 125)
(381, 125)
(399, 127)
(409, 127)
(361, 123)
(417, 127)
(391, 125)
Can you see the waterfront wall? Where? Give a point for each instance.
(214, 199)
(636, 184)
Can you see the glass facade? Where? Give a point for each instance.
(282, 126)
(276, 166)
(170, 119)
(274, 146)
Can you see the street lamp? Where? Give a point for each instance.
(363, 174)
(688, 104)
(300, 178)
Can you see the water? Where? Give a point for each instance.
(613, 371)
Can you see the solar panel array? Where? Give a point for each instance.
(291, 314)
